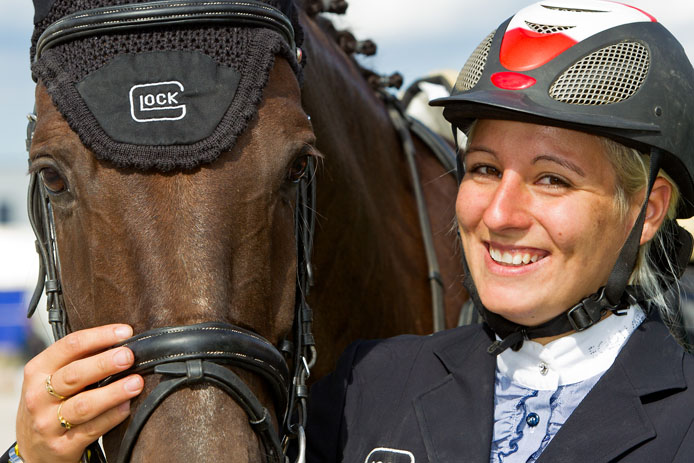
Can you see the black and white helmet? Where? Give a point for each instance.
(596, 66)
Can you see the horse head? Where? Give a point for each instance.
(195, 242)
(173, 165)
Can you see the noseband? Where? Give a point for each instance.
(188, 355)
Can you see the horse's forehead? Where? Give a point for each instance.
(51, 131)
(160, 99)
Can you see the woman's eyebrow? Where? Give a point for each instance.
(481, 148)
(561, 161)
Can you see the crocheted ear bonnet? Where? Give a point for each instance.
(165, 97)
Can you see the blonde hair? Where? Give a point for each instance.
(632, 168)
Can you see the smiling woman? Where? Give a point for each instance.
(537, 207)
(580, 201)
(577, 162)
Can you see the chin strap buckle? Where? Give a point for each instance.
(588, 312)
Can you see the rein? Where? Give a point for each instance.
(187, 355)
(404, 126)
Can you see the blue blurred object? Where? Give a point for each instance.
(14, 326)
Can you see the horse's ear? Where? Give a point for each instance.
(286, 6)
(41, 9)
(289, 8)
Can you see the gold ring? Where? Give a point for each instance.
(51, 391)
(63, 422)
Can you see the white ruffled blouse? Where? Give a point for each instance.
(538, 387)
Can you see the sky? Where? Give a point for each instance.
(414, 37)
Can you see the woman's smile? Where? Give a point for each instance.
(514, 256)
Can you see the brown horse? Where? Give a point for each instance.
(217, 243)
(371, 274)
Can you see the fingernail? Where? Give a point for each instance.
(133, 384)
(124, 407)
(123, 332)
(122, 357)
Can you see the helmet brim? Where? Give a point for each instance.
(463, 108)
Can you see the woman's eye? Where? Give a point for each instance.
(486, 171)
(553, 180)
(52, 180)
(298, 169)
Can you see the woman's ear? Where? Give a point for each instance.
(657, 208)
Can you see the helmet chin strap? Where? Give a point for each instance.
(616, 296)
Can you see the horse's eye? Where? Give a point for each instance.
(52, 180)
(298, 169)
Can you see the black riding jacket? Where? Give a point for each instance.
(430, 399)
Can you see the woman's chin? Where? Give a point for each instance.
(521, 317)
(524, 313)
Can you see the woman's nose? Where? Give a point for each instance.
(508, 205)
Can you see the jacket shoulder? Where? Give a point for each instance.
(402, 353)
(374, 378)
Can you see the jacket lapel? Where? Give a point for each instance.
(612, 419)
(609, 421)
(456, 415)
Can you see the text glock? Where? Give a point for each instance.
(158, 101)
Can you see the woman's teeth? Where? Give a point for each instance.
(512, 259)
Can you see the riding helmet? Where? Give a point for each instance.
(590, 65)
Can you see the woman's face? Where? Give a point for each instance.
(538, 218)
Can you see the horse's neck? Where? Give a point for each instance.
(347, 115)
(364, 175)
(368, 257)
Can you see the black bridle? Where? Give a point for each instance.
(187, 355)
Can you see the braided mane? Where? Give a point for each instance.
(348, 42)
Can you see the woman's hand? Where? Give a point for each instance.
(72, 364)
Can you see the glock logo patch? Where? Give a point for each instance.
(158, 101)
(386, 455)
(163, 98)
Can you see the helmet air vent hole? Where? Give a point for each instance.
(572, 10)
(609, 75)
(546, 28)
(474, 66)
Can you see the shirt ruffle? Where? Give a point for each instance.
(516, 441)
(551, 381)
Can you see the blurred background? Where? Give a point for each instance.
(414, 37)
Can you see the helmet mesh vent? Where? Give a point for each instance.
(609, 75)
(572, 10)
(546, 28)
(474, 66)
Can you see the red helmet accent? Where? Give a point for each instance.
(512, 80)
(523, 50)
